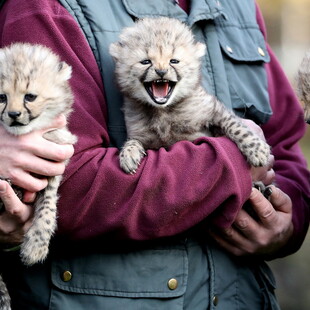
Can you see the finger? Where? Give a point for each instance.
(269, 178)
(27, 181)
(41, 166)
(262, 207)
(13, 205)
(280, 201)
(29, 197)
(54, 152)
(46, 149)
(264, 174)
(254, 233)
(227, 243)
(237, 235)
(246, 225)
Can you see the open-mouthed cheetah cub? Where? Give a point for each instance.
(303, 85)
(158, 70)
(34, 89)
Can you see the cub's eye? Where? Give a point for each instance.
(174, 61)
(3, 98)
(145, 62)
(30, 97)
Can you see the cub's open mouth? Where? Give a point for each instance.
(16, 124)
(160, 90)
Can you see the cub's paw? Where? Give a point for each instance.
(131, 156)
(34, 249)
(257, 152)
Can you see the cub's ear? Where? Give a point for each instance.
(200, 49)
(115, 49)
(65, 71)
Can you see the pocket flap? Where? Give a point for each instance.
(135, 274)
(242, 42)
(267, 276)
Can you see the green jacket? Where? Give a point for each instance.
(232, 68)
(182, 272)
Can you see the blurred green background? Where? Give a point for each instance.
(288, 28)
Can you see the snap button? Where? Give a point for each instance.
(261, 51)
(215, 300)
(172, 284)
(229, 49)
(66, 276)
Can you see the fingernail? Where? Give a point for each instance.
(254, 190)
(268, 192)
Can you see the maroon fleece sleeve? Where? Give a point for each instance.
(173, 189)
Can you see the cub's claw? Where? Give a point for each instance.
(131, 156)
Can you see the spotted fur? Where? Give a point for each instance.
(34, 89)
(303, 85)
(158, 70)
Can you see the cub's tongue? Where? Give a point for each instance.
(160, 89)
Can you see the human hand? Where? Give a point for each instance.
(262, 236)
(16, 218)
(27, 159)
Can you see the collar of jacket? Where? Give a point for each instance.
(200, 9)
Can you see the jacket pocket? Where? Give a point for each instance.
(121, 280)
(245, 53)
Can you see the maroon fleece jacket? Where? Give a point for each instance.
(174, 189)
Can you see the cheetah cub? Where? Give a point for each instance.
(303, 85)
(34, 89)
(158, 71)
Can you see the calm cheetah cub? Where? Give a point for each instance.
(303, 85)
(34, 89)
(158, 71)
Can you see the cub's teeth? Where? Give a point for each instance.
(161, 81)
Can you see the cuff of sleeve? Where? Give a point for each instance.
(6, 248)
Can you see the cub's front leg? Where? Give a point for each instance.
(131, 155)
(251, 145)
(36, 242)
(256, 150)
